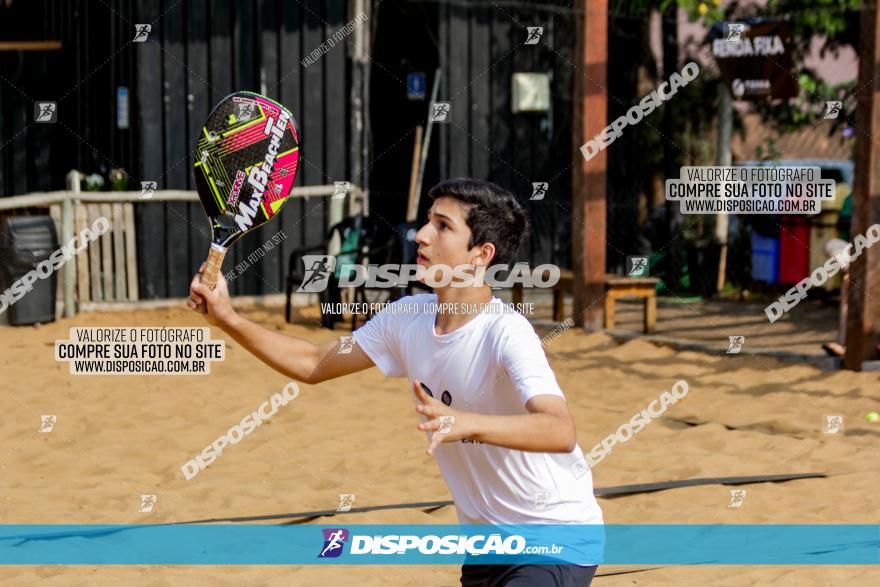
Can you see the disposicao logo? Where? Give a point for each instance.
(334, 541)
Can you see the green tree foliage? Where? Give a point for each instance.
(829, 24)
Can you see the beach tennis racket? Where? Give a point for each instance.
(245, 163)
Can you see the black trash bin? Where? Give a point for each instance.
(25, 241)
(702, 262)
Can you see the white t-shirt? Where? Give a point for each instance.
(492, 365)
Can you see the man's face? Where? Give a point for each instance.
(444, 239)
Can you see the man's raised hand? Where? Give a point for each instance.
(445, 424)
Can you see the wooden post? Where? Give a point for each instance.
(93, 212)
(863, 312)
(360, 96)
(105, 210)
(119, 282)
(84, 293)
(723, 157)
(412, 204)
(66, 235)
(589, 177)
(30, 45)
(131, 272)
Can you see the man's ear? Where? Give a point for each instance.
(486, 254)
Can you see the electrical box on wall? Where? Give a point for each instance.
(531, 92)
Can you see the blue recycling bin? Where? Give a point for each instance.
(765, 258)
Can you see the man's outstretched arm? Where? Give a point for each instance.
(297, 358)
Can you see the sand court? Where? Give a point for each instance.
(116, 438)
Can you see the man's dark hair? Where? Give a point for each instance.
(493, 214)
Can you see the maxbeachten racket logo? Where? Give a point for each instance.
(259, 176)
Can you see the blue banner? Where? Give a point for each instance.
(668, 544)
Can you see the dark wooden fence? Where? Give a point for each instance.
(200, 50)
(478, 45)
(481, 46)
(197, 52)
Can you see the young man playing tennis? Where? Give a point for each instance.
(509, 452)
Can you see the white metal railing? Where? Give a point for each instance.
(108, 272)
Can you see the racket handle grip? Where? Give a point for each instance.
(215, 261)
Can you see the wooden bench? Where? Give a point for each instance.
(616, 286)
